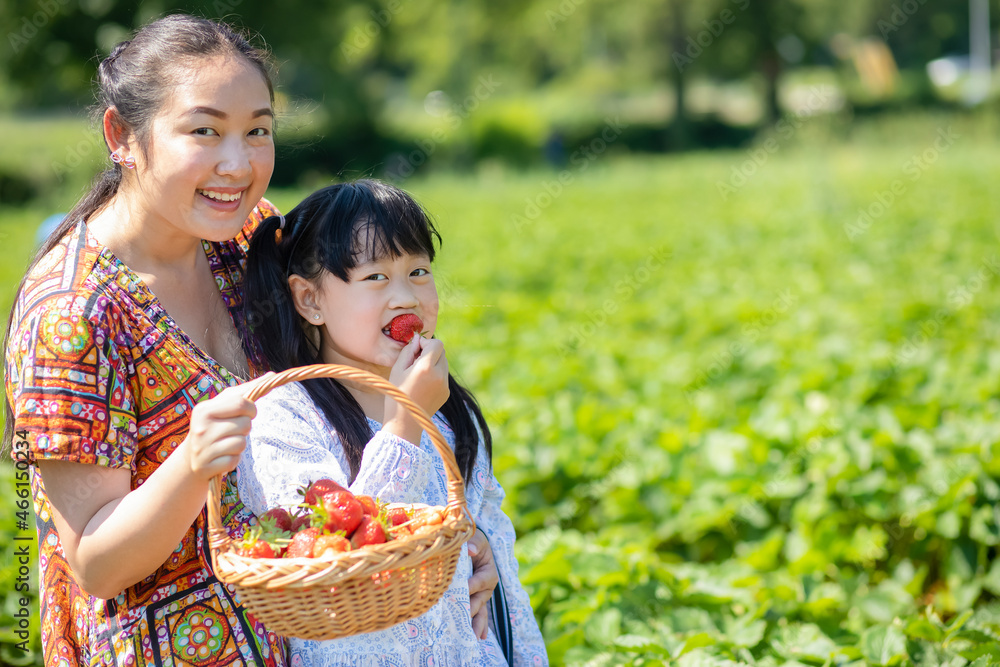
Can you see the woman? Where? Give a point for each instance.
(120, 328)
(123, 360)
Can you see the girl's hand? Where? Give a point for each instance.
(218, 432)
(422, 372)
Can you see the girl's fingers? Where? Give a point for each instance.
(408, 354)
(432, 350)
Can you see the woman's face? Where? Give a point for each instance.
(210, 153)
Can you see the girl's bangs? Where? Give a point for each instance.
(384, 222)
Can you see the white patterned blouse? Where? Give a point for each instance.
(291, 443)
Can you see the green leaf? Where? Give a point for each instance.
(921, 628)
(957, 622)
(604, 626)
(693, 642)
(641, 644)
(805, 641)
(983, 526)
(551, 568)
(746, 635)
(591, 567)
(949, 525)
(883, 645)
(988, 651)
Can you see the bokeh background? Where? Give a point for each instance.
(722, 274)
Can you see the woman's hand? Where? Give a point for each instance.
(421, 370)
(99, 516)
(218, 432)
(482, 582)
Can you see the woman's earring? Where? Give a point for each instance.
(129, 161)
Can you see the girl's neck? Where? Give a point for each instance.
(372, 403)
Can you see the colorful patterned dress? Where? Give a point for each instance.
(98, 373)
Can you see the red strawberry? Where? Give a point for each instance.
(396, 516)
(368, 504)
(279, 518)
(303, 543)
(262, 542)
(343, 511)
(330, 543)
(317, 489)
(369, 531)
(403, 327)
(260, 549)
(300, 522)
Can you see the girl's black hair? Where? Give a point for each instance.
(334, 230)
(135, 79)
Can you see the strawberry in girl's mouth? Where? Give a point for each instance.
(403, 327)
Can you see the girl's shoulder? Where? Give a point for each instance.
(291, 397)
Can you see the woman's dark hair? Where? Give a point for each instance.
(135, 79)
(334, 230)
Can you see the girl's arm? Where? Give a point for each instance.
(113, 536)
(292, 444)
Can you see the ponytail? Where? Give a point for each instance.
(104, 188)
(269, 315)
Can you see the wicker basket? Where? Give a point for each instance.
(365, 590)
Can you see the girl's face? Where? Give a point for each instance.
(210, 153)
(355, 315)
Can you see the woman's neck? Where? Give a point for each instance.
(143, 240)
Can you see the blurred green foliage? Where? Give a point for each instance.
(363, 83)
(750, 427)
(731, 433)
(744, 415)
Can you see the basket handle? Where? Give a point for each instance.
(219, 539)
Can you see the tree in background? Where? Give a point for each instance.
(358, 66)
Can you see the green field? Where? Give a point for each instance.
(742, 417)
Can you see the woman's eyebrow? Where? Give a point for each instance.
(223, 115)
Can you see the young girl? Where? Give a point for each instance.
(325, 285)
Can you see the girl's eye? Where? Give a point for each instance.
(420, 272)
(205, 131)
(376, 276)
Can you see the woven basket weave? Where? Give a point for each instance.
(358, 591)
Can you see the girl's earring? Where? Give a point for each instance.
(315, 316)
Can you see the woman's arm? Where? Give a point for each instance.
(114, 537)
(483, 581)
